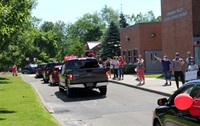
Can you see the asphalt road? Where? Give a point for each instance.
(123, 106)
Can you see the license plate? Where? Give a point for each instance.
(89, 84)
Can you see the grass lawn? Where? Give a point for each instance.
(154, 75)
(20, 106)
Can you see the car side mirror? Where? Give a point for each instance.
(162, 101)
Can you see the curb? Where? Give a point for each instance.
(141, 88)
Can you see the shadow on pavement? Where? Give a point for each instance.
(80, 95)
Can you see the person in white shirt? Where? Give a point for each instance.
(192, 66)
(115, 64)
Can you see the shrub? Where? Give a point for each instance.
(129, 69)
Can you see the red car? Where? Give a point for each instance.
(39, 70)
(54, 76)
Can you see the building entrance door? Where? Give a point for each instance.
(197, 55)
(151, 64)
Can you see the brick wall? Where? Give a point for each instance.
(177, 27)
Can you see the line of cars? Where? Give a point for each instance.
(73, 74)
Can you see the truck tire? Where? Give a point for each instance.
(61, 89)
(103, 90)
(69, 91)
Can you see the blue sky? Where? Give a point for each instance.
(70, 10)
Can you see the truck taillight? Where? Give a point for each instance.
(107, 74)
(70, 76)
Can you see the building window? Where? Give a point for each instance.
(135, 55)
(124, 56)
(129, 56)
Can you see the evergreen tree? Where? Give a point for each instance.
(123, 23)
(111, 43)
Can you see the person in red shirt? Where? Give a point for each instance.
(14, 70)
(121, 67)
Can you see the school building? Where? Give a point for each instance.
(179, 31)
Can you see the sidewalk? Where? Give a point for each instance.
(154, 85)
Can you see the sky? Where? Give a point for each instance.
(69, 11)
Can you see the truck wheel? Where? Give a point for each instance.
(61, 89)
(103, 90)
(157, 123)
(68, 91)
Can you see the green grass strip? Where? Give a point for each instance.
(20, 106)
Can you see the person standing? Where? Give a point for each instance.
(115, 63)
(177, 68)
(121, 67)
(192, 66)
(14, 70)
(188, 59)
(166, 65)
(140, 70)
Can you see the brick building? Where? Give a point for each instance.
(144, 39)
(179, 31)
(181, 27)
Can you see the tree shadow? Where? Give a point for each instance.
(2, 119)
(4, 111)
(3, 78)
(4, 82)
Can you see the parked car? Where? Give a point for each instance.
(29, 69)
(54, 76)
(169, 113)
(83, 73)
(48, 69)
(39, 70)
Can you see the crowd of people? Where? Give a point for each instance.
(114, 66)
(178, 66)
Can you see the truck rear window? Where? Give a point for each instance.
(81, 64)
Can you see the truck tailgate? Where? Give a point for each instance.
(92, 75)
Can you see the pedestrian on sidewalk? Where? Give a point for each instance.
(192, 66)
(115, 63)
(108, 64)
(140, 70)
(121, 67)
(188, 59)
(167, 69)
(177, 68)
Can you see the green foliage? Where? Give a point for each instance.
(147, 17)
(129, 69)
(123, 23)
(14, 17)
(87, 28)
(13, 14)
(111, 43)
(23, 36)
(109, 15)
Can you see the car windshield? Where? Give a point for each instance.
(80, 64)
(33, 65)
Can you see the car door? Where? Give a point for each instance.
(174, 116)
(186, 118)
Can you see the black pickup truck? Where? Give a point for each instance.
(83, 73)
